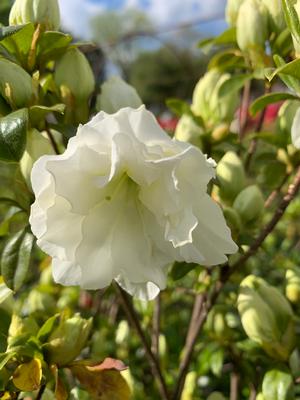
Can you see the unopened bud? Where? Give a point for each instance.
(231, 175)
(276, 15)
(67, 340)
(292, 289)
(188, 131)
(267, 317)
(249, 203)
(16, 85)
(232, 10)
(43, 12)
(73, 71)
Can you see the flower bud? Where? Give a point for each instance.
(232, 10)
(233, 220)
(67, 340)
(267, 317)
(216, 323)
(231, 175)
(252, 28)
(295, 42)
(188, 131)
(249, 203)
(43, 12)
(38, 145)
(292, 289)
(207, 102)
(275, 14)
(21, 329)
(73, 71)
(16, 85)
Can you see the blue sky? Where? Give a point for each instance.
(76, 14)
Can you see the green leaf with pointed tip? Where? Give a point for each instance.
(290, 81)
(16, 258)
(292, 69)
(13, 129)
(180, 269)
(51, 46)
(38, 113)
(6, 31)
(5, 357)
(47, 328)
(291, 18)
(270, 98)
(234, 84)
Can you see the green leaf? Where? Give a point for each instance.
(180, 269)
(216, 361)
(227, 60)
(51, 46)
(290, 81)
(292, 69)
(47, 328)
(16, 258)
(227, 37)
(38, 113)
(178, 107)
(278, 385)
(270, 98)
(6, 31)
(13, 129)
(5, 358)
(291, 18)
(234, 84)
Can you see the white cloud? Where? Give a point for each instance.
(76, 16)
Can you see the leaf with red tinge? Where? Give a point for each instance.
(103, 381)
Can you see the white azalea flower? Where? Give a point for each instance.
(123, 202)
(296, 130)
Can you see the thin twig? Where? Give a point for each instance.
(156, 327)
(234, 385)
(40, 392)
(253, 144)
(243, 117)
(276, 192)
(134, 320)
(226, 273)
(52, 140)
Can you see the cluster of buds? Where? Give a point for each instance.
(267, 317)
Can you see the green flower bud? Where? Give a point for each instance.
(16, 85)
(188, 131)
(232, 10)
(38, 144)
(249, 203)
(20, 330)
(267, 317)
(207, 102)
(67, 340)
(295, 42)
(43, 12)
(231, 175)
(276, 16)
(216, 323)
(233, 220)
(73, 71)
(292, 289)
(252, 28)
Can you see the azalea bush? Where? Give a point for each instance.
(139, 264)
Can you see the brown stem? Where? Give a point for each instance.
(253, 144)
(156, 327)
(243, 117)
(253, 392)
(234, 385)
(134, 320)
(276, 192)
(40, 392)
(226, 273)
(52, 140)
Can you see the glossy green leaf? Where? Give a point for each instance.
(292, 69)
(16, 258)
(278, 385)
(180, 269)
(38, 113)
(227, 60)
(291, 18)
(290, 81)
(270, 98)
(13, 130)
(234, 84)
(51, 46)
(5, 358)
(48, 327)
